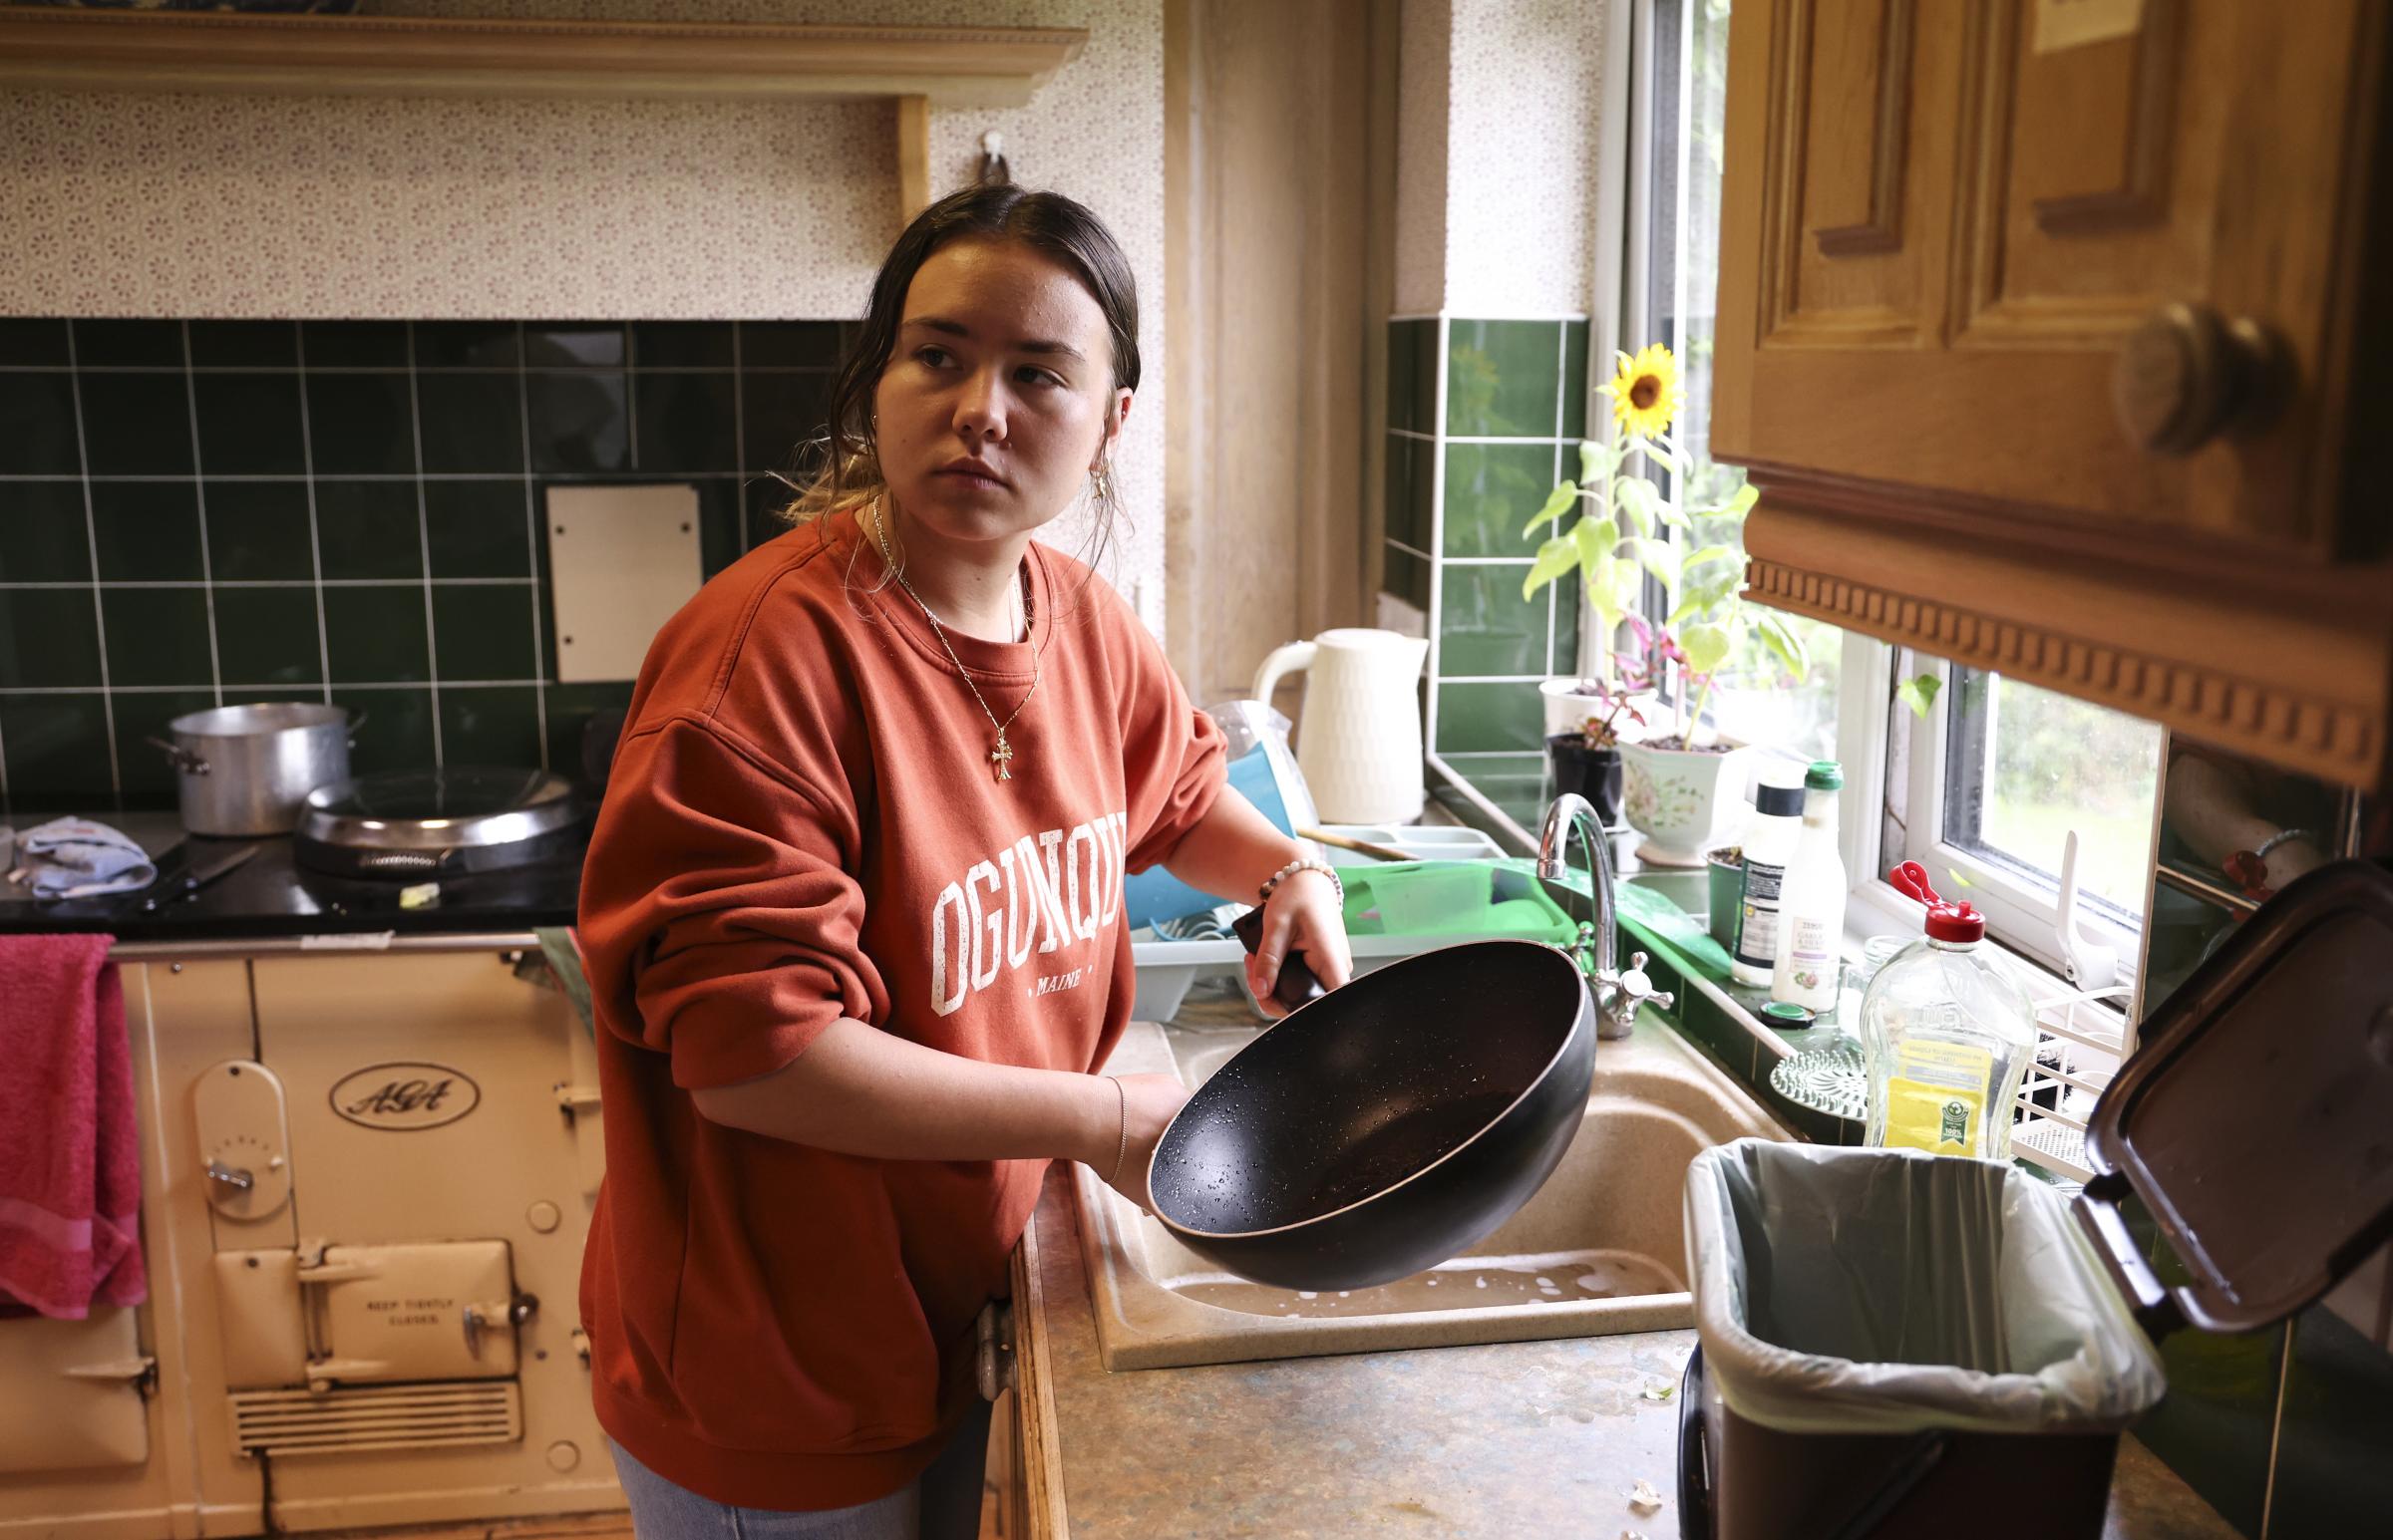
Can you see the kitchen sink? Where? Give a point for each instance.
(1600, 1249)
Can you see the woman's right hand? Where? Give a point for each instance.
(1147, 1105)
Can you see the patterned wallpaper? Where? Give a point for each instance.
(116, 205)
(1496, 183)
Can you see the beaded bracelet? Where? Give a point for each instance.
(1304, 863)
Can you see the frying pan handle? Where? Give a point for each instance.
(1695, 1520)
(1297, 981)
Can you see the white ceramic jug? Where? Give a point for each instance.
(1358, 739)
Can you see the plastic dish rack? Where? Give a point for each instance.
(1168, 967)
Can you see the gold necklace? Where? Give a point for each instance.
(1002, 755)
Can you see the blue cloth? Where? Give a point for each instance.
(77, 858)
(1154, 896)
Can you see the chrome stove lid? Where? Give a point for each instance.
(465, 817)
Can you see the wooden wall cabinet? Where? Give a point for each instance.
(2049, 331)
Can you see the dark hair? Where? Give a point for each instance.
(849, 475)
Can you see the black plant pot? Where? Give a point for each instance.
(1593, 773)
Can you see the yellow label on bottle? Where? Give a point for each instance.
(1936, 1096)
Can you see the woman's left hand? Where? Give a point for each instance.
(1302, 915)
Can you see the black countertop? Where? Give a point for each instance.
(270, 894)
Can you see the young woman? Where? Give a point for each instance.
(851, 914)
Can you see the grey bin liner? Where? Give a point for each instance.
(1881, 1290)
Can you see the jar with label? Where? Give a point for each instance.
(1947, 1035)
(1769, 844)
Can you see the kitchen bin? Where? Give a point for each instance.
(1894, 1343)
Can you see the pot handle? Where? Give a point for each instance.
(357, 718)
(184, 761)
(1293, 658)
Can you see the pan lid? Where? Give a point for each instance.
(457, 808)
(2255, 1121)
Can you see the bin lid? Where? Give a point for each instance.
(2255, 1119)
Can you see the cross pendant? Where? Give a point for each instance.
(1003, 755)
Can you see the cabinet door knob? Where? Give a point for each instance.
(2186, 376)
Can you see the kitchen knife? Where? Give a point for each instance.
(195, 879)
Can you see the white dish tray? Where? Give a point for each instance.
(1166, 969)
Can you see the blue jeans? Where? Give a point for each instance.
(943, 1503)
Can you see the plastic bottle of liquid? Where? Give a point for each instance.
(1769, 845)
(1947, 1036)
(1807, 964)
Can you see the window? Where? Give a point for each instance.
(1986, 790)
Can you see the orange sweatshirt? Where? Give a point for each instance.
(802, 823)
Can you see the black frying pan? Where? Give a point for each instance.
(1387, 1125)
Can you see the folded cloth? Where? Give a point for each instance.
(562, 950)
(70, 1157)
(77, 858)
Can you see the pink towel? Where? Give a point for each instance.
(70, 1156)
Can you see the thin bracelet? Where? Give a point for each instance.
(2280, 837)
(1121, 1146)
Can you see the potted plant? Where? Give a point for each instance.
(1676, 785)
(1586, 759)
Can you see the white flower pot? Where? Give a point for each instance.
(1567, 712)
(1679, 799)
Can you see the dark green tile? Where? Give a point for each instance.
(39, 408)
(473, 424)
(682, 345)
(482, 631)
(466, 345)
(763, 499)
(2332, 1474)
(1575, 379)
(1491, 490)
(245, 344)
(37, 340)
(717, 525)
(156, 636)
(361, 424)
(497, 725)
(779, 411)
(1565, 597)
(1503, 378)
(135, 424)
(258, 531)
(1489, 717)
(395, 732)
(688, 421)
(570, 710)
(354, 344)
(574, 344)
(144, 771)
(249, 425)
(2213, 1426)
(478, 528)
(579, 421)
(1407, 577)
(368, 529)
(44, 537)
(1487, 628)
(56, 748)
(790, 344)
(127, 344)
(1412, 491)
(268, 636)
(147, 531)
(378, 635)
(1404, 376)
(49, 639)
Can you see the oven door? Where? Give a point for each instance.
(71, 1392)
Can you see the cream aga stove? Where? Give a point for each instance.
(367, 1178)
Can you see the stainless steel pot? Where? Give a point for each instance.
(247, 770)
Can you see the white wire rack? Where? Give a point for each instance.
(2082, 1036)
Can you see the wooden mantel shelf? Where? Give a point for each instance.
(951, 67)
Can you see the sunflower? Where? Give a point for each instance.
(1646, 393)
